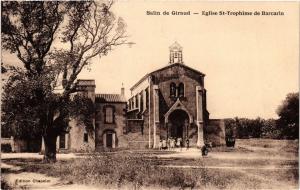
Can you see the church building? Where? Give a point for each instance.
(171, 103)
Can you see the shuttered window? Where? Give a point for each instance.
(109, 115)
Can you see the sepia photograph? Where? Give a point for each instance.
(150, 95)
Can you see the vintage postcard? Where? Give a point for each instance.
(159, 94)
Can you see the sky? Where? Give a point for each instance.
(251, 62)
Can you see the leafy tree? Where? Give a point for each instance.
(230, 128)
(255, 127)
(244, 127)
(270, 129)
(54, 41)
(288, 113)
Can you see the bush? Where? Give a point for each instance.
(244, 128)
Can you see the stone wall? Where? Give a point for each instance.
(214, 132)
(76, 138)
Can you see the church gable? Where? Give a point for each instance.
(175, 71)
(176, 67)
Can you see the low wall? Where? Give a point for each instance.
(214, 132)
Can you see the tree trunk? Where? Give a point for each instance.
(50, 148)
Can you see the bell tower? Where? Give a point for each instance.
(175, 53)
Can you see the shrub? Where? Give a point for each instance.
(244, 128)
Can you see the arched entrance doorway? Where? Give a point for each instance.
(109, 139)
(178, 122)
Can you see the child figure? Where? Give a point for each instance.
(164, 144)
(187, 144)
(160, 144)
(178, 143)
(204, 150)
(172, 143)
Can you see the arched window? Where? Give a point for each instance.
(147, 98)
(181, 90)
(132, 104)
(142, 102)
(85, 137)
(136, 101)
(172, 89)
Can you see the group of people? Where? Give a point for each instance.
(171, 143)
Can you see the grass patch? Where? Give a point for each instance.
(142, 169)
(135, 171)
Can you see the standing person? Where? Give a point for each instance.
(177, 142)
(187, 143)
(180, 143)
(204, 150)
(164, 144)
(172, 143)
(160, 144)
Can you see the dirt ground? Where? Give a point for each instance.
(273, 162)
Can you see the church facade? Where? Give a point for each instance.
(171, 103)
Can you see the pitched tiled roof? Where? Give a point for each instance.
(110, 98)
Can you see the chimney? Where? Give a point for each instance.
(122, 90)
(86, 88)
